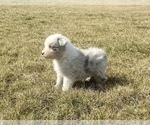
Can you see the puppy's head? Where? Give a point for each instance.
(54, 46)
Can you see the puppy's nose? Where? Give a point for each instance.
(42, 53)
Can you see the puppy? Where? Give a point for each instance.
(72, 64)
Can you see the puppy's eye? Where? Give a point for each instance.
(53, 48)
(50, 46)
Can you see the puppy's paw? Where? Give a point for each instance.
(103, 80)
(56, 86)
(88, 79)
(65, 89)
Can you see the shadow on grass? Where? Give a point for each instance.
(111, 82)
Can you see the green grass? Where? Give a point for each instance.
(26, 79)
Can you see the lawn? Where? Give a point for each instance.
(27, 79)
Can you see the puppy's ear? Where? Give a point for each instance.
(61, 42)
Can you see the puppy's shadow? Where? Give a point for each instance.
(111, 82)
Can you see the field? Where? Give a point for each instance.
(27, 79)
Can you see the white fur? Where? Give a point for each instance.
(71, 63)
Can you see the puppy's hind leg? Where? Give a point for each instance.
(100, 77)
(103, 77)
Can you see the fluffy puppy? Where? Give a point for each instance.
(71, 63)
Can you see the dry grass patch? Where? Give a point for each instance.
(26, 80)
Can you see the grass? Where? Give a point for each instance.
(26, 79)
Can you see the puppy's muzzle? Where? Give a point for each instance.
(42, 53)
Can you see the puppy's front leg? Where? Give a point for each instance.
(59, 80)
(67, 83)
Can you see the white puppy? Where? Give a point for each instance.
(71, 63)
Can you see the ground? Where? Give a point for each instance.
(26, 78)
